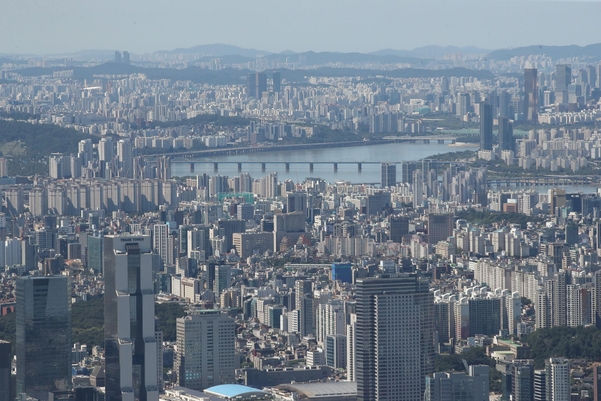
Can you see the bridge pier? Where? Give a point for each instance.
(191, 166)
(215, 167)
(311, 167)
(263, 167)
(239, 167)
(359, 167)
(335, 167)
(441, 141)
(426, 141)
(287, 167)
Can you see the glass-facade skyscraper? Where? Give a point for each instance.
(531, 94)
(43, 345)
(129, 331)
(394, 338)
(388, 171)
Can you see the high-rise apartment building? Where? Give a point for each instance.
(125, 157)
(205, 354)
(43, 344)
(388, 174)
(558, 386)
(161, 243)
(129, 330)
(106, 150)
(395, 317)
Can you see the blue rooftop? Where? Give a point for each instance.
(233, 390)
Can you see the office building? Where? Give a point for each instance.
(129, 330)
(486, 118)
(342, 272)
(456, 386)
(43, 312)
(94, 252)
(223, 279)
(335, 350)
(296, 202)
(440, 227)
(5, 368)
(395, 316)
(531, 95)
(398, 226)
(521, 375)
(506, 139)
(563, 77)
(256, 84)
(205, 354)
(277, 81)
(407, 169)
(388, 173)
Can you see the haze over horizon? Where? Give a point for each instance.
(66, 26)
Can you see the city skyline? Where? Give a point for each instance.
(64, 27)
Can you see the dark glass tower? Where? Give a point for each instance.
(531, 94)
(43, 335)
(388, 171)
(563, 77)
(394, 341)
(506, 140)
(485, 126)
(129, 333)
(277, 82)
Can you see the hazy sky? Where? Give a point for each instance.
(141, 26)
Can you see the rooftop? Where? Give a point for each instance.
(228, 391)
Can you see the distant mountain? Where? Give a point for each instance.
(321, 58)
(555, 52)
(229, 76)
(430, 51)
(218, 50)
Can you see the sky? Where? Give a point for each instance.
(144, 26)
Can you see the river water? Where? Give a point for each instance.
(393, 152)
(370, 173)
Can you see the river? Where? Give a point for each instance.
(392, 152)
(370, 173)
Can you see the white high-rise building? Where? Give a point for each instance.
(125, 156)
(205, 354)
(558, 379)
(130, 342)
(351, 374)
(86, 149)
(105, 150)
(3, 167)
(330, 320)
(160, 235)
